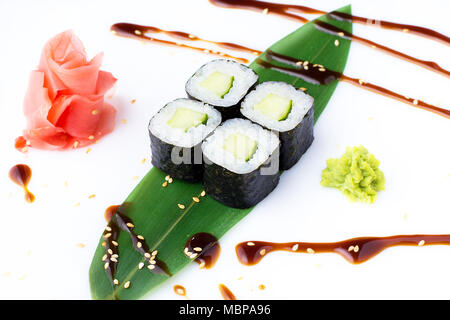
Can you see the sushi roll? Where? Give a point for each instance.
(280, 107)
(176, 134)
(222, 83)
(240, 163)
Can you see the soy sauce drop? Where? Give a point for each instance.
(204, 248)
(226, 293)
(20, 174)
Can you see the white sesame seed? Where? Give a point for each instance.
(116, 282)
(167, 178)
(262, 252)
(140, 265)
(115, 243)
(198, 249)
(126, 285)
(139, 245)
(138, 32)
(299, 63)
(130, 225)
(154, 253)
(108, 229)
(147, 255)
(336, 42)
(104, 257)
(415, 101)
(110, 251)
(151, 267)
(106, 236)
(196, 199)
(115, 256)
(322, 69)
(250, 244)
(164, 184)
(202, 264)
(350, 249)
(309, 250)
(421, 243)
(113, 259)
(152, 261)
(305, 67)
(170, 180)
(356, 249)
(203, 193)
(341, 34)
(181, 206)
(361, 81)
(140, 237)
(265, 11)
(295, 247)
(106, 265)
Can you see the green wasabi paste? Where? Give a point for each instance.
(356, 174)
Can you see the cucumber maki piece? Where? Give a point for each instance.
(275, 107)
(185, 119)
(240, 163)
(240, 146)
(282, 108)
(223, 84)
(219, 83)
(176, 135)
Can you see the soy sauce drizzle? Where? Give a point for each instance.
(204, 248)
(226, 293)
(315, 76)
(356, 250)
(285, 9)
(430, 65)
(136, 31)
(20, 174)
(120, 222)
(110, 212)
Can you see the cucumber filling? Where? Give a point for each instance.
(219, 83)
(275, 107)
(240, 146)
(185, 119)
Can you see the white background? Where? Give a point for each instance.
(39, 256)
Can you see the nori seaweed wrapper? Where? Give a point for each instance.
(238, 190)
(295, 142)
(190, 170)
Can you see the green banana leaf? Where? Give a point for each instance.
(154, 209)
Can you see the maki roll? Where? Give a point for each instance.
(240, 163)
(280, 107)
(222, 83)
(176, 133)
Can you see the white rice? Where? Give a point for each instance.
(213, 146)
(244, 78)
(158, 124)
(301, 103)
